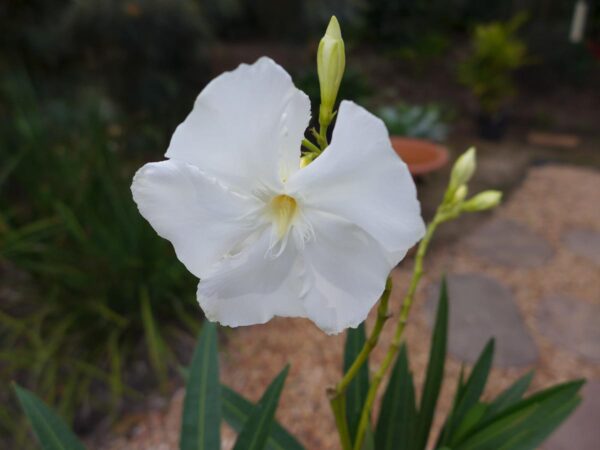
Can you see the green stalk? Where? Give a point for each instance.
(310, 146)
(337, 395)
(400, 326)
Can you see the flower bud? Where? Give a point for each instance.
(460, 194)
(331, 61)
(463, 169)
(482, 201)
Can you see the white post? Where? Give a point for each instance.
(578, 21)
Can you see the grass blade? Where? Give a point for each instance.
(49, 429)
(154, 342)
(359, 386)
(201, 422)
(237, 410)
(257, 428)
(397, 418)
(435, 370)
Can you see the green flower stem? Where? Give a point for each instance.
(402, 320)
(339, 412)
(323, 135)
(320, 136)
(310, 146)
(337, 395)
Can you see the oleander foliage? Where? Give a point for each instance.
(510, 421)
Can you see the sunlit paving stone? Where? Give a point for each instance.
(510, 244)
(572, 324)
(481, 308)
(585, 243)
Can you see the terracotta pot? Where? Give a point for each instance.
(421, 156)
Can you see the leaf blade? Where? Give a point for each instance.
(529, 421)
(359, 386)
(397, 418)
(237, 409)
(50, 430)
(510, 396)
(256, 430)
(472, 392)
(435, 370)
(201, 420)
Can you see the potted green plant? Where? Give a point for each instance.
(488, 71)
(415, 132)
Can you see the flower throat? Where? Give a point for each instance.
(283, 208)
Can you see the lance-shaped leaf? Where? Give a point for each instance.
(201, 421)
(471, 394)
(435, 370)
(49, 429)
(397, 418)
(257, 428)
(359, 386)
(510, 396)
(237, 410)
(527, 423)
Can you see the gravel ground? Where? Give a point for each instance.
(551, 200)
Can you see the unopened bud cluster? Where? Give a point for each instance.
(455, 199)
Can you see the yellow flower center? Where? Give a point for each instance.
(283, 208)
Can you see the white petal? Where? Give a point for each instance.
(201, 218)
(246, 127)
(346, 272)
(253, 287)
(360, 178)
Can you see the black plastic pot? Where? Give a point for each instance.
(492, 126)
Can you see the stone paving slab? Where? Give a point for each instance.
(480, 308)
(571, 324)
(510, 244)
(585, 243)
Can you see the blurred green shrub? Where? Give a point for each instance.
(429, 121)
(106, 291)
(144, 52)
(488, 71)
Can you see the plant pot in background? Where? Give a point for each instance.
(492, 126)
(420, 155)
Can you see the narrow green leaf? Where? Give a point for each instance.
(529, 421)
(237, 409)
(471, 420)
(471, 392)
(533, 436)
(510, 396)
(49, 429)
(154, 342)
(257, 428)
(562, 390)
(397, 417)
(460, 389)
(369, 441)
(435, 370)
(359, 386)
(201, 422)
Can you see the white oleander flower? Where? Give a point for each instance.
(266, 237)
